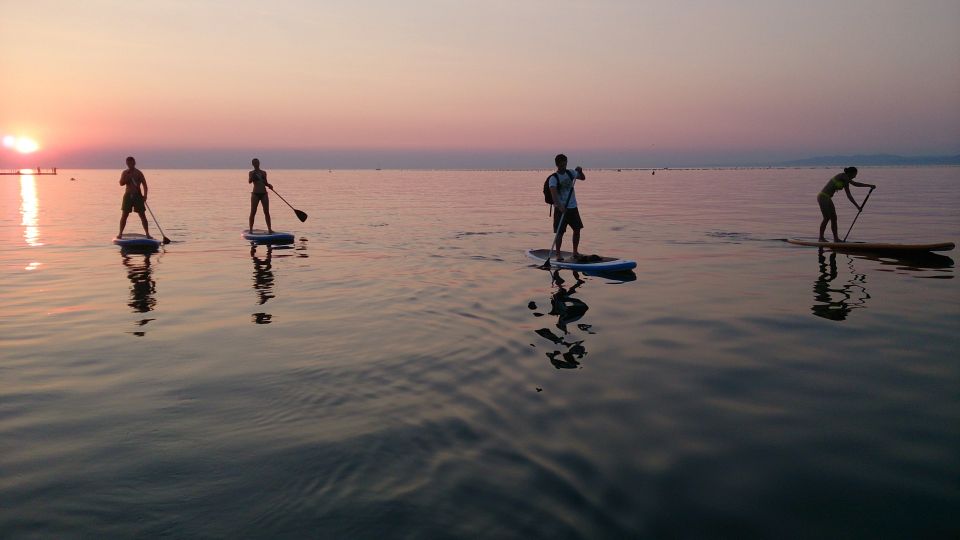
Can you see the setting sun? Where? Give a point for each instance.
(24, 145)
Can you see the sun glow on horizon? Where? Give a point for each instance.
(23, 145)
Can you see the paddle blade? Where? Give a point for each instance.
(166, 240)
(301, 215)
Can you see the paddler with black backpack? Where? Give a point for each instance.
(558, 191)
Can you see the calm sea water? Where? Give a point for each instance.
(402, 371)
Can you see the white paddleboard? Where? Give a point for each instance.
(600, 264)
(260, 236)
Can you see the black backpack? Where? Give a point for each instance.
(547, 196)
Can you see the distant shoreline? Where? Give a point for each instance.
(405, 163)
(541, 169)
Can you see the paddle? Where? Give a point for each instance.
(556, 238)
(858, 214)
(155, 222)
(301, 215)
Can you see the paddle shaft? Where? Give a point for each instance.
(157, 223)
(858, 215)
(563, 216)
(300, 214)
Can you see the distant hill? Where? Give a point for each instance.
(867, 160)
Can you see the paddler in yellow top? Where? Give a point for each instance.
(825, 199)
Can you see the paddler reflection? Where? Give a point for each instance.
(568, 310)
(143, 287)
(835, 299)
(262, 281)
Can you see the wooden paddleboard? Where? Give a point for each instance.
(874, 247)
(602, 264)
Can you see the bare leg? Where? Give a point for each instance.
(823, 227)
(833, 227)
(123, 223)
(576, 243)
(253, 211)
(266, 214)
(146, 227)
(559, 243)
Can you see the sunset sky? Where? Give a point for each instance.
(447, 82)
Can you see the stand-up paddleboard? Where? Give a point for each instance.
(592, 263)
(134, 240)
(260, 236)
(874, 247)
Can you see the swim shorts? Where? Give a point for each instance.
(572, 219)
(133, 203)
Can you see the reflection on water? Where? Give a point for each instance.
(835, 296)
(263, 276)
(925, 264)
(29, 210)
(833, 299)
(262, 281)
(143, 287)
(568, 310)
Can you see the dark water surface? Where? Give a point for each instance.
(401, 371)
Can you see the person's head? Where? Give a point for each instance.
(851, 172)
(560, 160)
(131, 162)
(256, 163)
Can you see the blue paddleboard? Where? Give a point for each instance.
(260, 236)
(134, 240)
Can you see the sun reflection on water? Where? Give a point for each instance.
(29, 210)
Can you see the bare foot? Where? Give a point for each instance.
(822, 239)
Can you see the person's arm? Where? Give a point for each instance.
(143, 182)
(123, 178)
(580, 175)
(858, 184)
(268, 184)
(846, 189)
(250, 177)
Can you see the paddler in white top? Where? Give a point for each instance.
(133, 199)
(565, 201)
(258, 177)
(825, 199)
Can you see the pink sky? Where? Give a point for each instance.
(788, 79)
